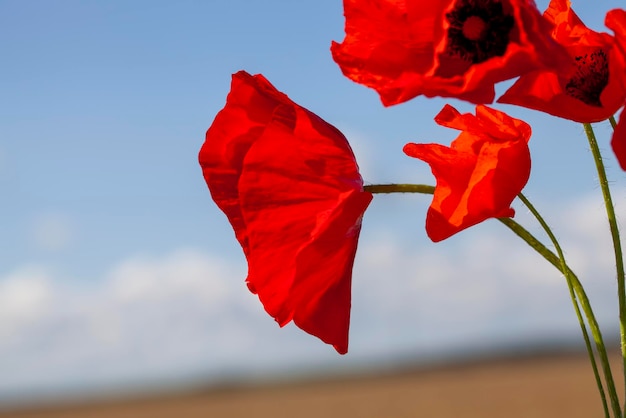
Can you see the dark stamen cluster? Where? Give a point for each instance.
(495, 36)
(590, 79)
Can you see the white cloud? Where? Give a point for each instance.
(146, 315)
(188, 312)
(482, 285)
(24, 295)
(182, 272)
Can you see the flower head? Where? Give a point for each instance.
(449, 48)
(481, 172)
(290, 186)
(591, 90)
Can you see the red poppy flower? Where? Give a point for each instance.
(591, 90)
(449, 48)
(480, 174)
(616, 21)
(290, 186)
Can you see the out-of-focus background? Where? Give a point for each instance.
(119, 276)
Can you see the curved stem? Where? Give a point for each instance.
(612, 120)
(570, 278)
(617, 246)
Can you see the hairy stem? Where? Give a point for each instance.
(571, 280)
(617, 246)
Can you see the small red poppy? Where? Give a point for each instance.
(449, 48)
(290, 186)
(481, 172)
(591, 90)
(616, 21)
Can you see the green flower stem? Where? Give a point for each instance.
(577, 291)
(570, 279)
(612, 120)
(399, 188)
(553, 259)
(617, 246)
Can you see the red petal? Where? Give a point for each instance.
(292, 191)
(616, 21)
(452, 170)
(480, 174)
(250, 105)
(618, 141)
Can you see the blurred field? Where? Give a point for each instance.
(529, 387)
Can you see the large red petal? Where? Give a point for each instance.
(324, 269)
(385, 39)
(249, 106)
(296, 176)
(289, 184)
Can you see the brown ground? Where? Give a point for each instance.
(537, 387)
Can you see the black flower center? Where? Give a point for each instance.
(590, 78)
(479, 30)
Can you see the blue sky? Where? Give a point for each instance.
(117, 266)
